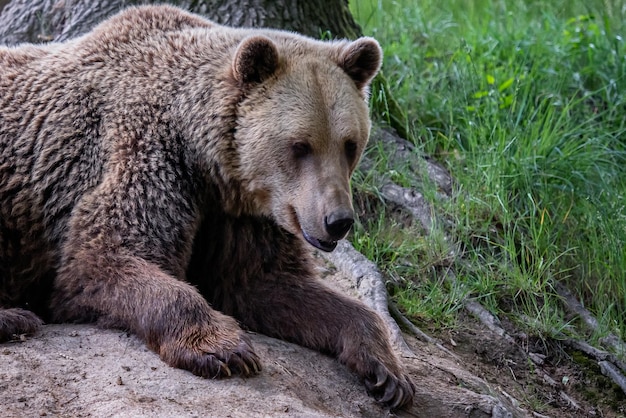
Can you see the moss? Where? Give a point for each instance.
(595, 387)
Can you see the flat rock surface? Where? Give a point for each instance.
(80, 370)
(85, 371)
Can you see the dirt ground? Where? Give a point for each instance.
(84, 371)
(562, 386)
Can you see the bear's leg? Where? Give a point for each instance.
(16, 321)
(304, 311)
(168, 314)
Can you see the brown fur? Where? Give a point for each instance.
(161, 161)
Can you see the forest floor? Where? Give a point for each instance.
(563, 386)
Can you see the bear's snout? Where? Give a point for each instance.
(336, 226)
(338, 223)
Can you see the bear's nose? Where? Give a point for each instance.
(339, 223)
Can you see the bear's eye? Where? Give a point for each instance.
(301, 149)
(351, 148)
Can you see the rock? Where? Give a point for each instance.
(83, 370)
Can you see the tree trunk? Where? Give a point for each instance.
(54, 20)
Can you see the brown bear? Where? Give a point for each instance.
(163, 174)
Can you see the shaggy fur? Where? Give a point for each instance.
(162, 161)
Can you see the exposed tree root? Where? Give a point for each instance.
(410, 326)
(596, 353)
(610, 365)
(411, 200)
(574, 306)
(370, 286)
(610, 370)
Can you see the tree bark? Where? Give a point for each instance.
(57, 20)
(315, 18)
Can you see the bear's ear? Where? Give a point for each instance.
(256, 58)
(361, 60)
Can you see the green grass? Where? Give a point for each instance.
(525, 103)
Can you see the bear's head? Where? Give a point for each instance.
(301, 129)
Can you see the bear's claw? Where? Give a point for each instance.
(213, 360)
(390, 390)
(243, 361)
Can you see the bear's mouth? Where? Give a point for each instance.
(327, 246)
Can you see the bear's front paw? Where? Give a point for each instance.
(392, 390)
(16, 321)
(212, 355)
